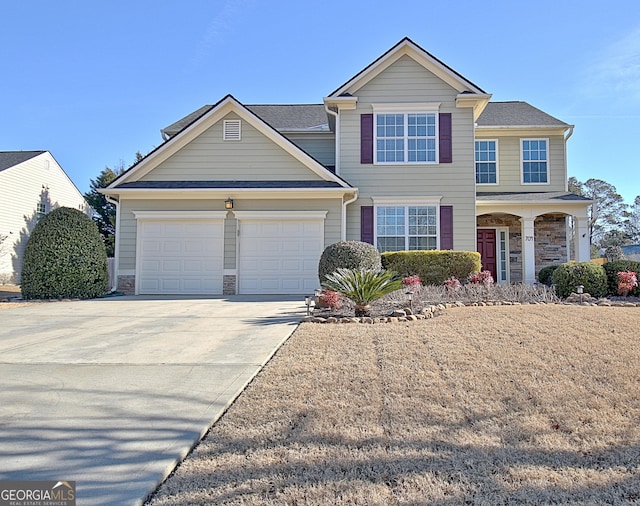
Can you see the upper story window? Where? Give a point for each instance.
(41, 210)
(487, 162)
(401, 228)
(535, 161)
(406, 138)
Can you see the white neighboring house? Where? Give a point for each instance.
(32, 183)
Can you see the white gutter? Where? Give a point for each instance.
(336, 116)
(344, 214)
(116, 247)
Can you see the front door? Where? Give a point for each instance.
(487, 250)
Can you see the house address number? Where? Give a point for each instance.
(528, 238)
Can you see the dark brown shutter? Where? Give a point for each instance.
(446, 154)
(446, 227)
(366, 224)
(366, 138)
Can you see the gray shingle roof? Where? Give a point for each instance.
(10, 158)
(530, 196)
(516, 114)
(285, 117)
(228, 184)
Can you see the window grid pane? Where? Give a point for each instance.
(413, 142)
(486, 162)
(534, 161)
(406, 227)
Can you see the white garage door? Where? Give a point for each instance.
(180, 257)
(279, 256)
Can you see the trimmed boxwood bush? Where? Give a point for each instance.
(613, 268)
(433, 266)
(348, 255)
(568, 276)
(546, 273)
(64, 258)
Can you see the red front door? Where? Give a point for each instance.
(487, 250)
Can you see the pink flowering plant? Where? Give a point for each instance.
(452, 284)
(482, 278)
(330, 299)
(627, 281)
(412, 282)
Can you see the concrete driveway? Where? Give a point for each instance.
(112, 393)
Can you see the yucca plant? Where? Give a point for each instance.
(362, 287)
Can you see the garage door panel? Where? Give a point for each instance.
(181, 257)
(279, 256)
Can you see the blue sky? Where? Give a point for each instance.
(94, 82)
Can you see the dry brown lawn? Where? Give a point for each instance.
(493, 405)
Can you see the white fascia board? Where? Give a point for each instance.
(519, 130)
(477, 101)
(342, 103)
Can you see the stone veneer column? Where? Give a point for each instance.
(528, 251)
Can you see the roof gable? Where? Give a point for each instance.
(409, 48)
(209, 117)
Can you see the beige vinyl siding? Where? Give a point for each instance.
(408, 82)
(127, 230)
(320, 146)
(510, 163)
(21, 189)
(252, 158)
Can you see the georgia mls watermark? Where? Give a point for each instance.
(37, 493)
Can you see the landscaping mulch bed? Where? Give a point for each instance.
(535, 404)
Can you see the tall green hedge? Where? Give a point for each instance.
(571, 274)
(64, 258)
(613, 268)
(433, 266)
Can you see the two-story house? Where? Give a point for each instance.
(407, 154)
(32, 183)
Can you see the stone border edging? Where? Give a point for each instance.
(406, 315)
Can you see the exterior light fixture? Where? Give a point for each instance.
(228, 204)
(307, 301)
(580, 289)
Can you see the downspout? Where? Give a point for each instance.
(116, 247)
(344, 214)
(566, 164)
(337, 117)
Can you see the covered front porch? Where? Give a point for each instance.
(520, 233)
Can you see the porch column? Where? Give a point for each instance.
(582, 240)
(528, 251)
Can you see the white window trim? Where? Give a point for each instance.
(522, 160)
(405, 202)
(280, 215)
(497, 161)
(405, 109)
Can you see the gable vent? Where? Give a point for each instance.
(231, 130)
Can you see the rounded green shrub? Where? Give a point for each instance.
(613, 268)
(546, 273)
(348, 255)
(65, 257)
(568, 276)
